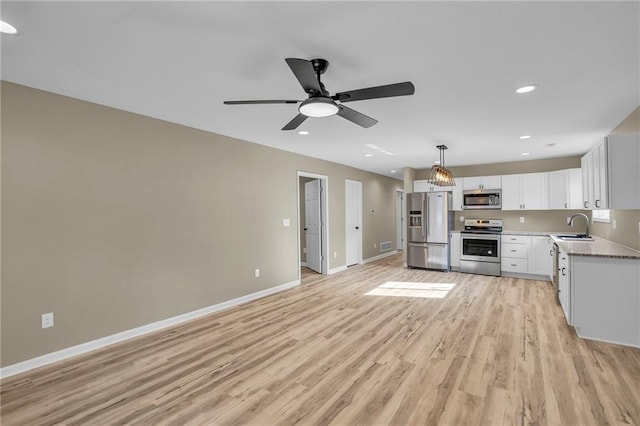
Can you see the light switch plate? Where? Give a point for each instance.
(286, 223)
(521, 219)
(47, 320)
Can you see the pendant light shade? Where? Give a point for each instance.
(439, 174)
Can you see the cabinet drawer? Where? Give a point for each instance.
(514, 250)
(514, 265)
(520, 239)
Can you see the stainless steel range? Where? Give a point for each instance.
(480, 246)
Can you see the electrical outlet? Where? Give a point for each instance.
(286, 223)
(47, 320)
(335, 254)
(638, 227)
(614, 224)
(375, 245)
(461, 218)
(521, 219)
(257, 273)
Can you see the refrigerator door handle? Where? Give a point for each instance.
(424, 204)
(426, 211)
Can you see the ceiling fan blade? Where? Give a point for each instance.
(293, 124)
(279, 101)
(386, 91)
(355, 116)
(305, 73)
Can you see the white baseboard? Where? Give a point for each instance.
(92, 345)
(380, 256)
(336, 270)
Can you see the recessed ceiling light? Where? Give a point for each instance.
(526, 89)
(525, 137)
(525, 153)
(393, 171)
(368, 155)
(6, 28)
(303, 132)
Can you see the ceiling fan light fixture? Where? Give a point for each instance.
(439, 174)
(319, 106)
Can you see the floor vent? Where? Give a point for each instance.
(385, 246)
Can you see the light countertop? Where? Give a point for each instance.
(599, 247)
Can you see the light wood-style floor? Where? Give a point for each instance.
(493, 351)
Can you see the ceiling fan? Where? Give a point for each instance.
(321, 104)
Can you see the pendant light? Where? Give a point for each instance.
(439, 174)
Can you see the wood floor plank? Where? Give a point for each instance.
(492, 351)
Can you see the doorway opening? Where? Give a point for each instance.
(313, 223)
(353, 223)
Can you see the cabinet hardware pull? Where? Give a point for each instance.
(514, 250)
(513, 264)
(597, 203)
(585, 205)
(563, 269)
(565, 205)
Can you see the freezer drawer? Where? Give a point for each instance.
(428, 256)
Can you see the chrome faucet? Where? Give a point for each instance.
(586, 218)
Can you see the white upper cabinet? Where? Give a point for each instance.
(564, 189)
(524, 192)
(457, 194)
(611, 172)
(425, 186)
(482, 182)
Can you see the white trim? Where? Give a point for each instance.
(380, 256)
(92, 345)
(338, 269)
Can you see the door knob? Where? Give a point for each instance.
(305, 229)
(357, 227)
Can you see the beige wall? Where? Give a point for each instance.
(627, 221)
(534, 220)
(113, 220)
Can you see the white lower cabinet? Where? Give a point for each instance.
(541, 258)
(527, 255)
(605, 299)
(515, 251)
(564, 285)
(454, 247)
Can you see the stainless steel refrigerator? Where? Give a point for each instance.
(430, 219)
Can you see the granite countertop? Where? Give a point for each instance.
(599, 247)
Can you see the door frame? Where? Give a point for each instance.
(324, 218)
(400, 219)
(346, 213)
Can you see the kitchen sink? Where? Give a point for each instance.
(575, 237)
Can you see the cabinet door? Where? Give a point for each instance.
(601, 192)
(557, 189)
(587, 180)
(533, 191)
(457, 195)
(540, 259)
(420, 186)
(472, 182)
(454, 246)
(574, 187)
(511, 192)
(564, 288)
(491, 182)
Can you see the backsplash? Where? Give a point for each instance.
(534, 220)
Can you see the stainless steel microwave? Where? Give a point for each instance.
(477, 199)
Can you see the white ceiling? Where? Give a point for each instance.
(178, 61)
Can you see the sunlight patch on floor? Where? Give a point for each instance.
(408, 289)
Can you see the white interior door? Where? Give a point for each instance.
(353, 202)
(312, 224)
